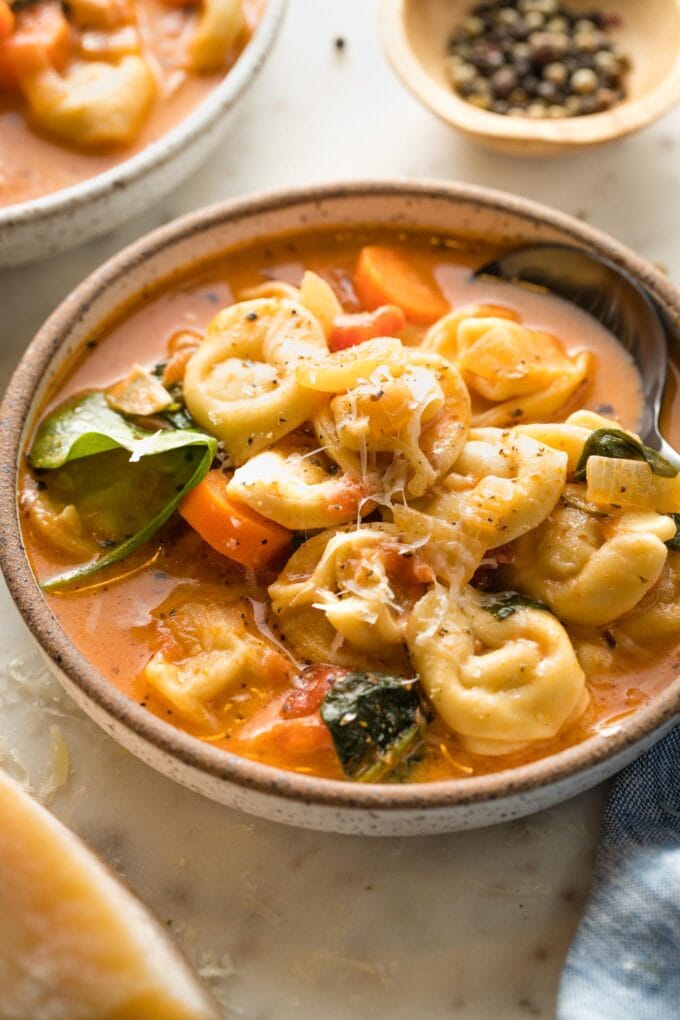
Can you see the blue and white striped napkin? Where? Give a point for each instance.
(624, 963)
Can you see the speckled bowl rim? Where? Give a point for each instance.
(164, 149)
(224, 765)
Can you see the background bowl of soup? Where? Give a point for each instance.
(203, 261)
(55, 196)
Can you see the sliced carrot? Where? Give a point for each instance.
(349, 330)
(7, 20)
(230, 527)
(41, 38)
(385, 276)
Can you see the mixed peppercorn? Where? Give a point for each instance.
(536, 58)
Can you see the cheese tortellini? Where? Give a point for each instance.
(219, 26)
(394, 412)
(591, 569)
(503, 485)
(94, 103)
(314, 293)
(218, 652)
(339, 592)
(299, 487)
(525, 373)
(655, 620)
(499, 684)
(240, 384)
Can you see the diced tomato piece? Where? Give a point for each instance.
(291, 723)
(349, 330)
(305, 700)
(180, 348)
(7, 20)
(407, 569)
(306, 735)
(41, 38)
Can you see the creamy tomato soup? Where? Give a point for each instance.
(389, 555)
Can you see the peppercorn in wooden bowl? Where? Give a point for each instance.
(552, 83)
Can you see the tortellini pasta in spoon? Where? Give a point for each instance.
(526, 373)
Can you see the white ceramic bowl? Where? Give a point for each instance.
(44, 226)
(260, 789)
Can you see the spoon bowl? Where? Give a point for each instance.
(614, 298)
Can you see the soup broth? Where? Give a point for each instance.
(126, 614)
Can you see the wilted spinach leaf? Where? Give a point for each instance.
(503, 604)
(179, 419)
(620, 446)
(86, 427)
(375, 722)
(576, 500)
(674, 543)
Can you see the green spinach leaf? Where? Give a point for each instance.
(574, 497)
(674, 543)
(86, 427)
(375, 721)
(503, 604)
(620, 446)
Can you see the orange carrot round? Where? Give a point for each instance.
(385, 276)
(230, 527)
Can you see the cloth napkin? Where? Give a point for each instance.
(624, 963)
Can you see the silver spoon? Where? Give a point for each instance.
(615, 299)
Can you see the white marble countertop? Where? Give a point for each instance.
(291, 924)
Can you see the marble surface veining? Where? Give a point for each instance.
(288, 924)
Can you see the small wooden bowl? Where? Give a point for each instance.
(415, 34)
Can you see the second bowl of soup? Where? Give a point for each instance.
(104, 107)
